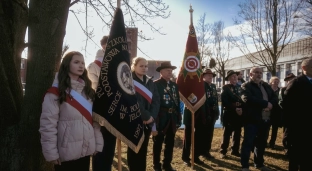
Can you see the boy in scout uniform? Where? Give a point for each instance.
(212, 109)
(169, 117)
(231, 116)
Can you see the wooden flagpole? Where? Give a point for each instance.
(118, 140)
(193, 113)
(193, 146)
(119, 154)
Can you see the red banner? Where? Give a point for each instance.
(191, 85)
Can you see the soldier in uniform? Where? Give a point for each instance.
(231, 116)
(169, 117)
(212, 110)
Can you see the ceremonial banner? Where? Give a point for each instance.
(115, 106)
(191, 86)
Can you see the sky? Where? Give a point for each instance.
(163, 47)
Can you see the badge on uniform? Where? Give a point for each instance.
(166, 98)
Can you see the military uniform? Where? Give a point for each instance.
(212, 110)
(232, 122)
(200, 120)
(167, 121)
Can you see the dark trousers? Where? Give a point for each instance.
(255, 136)
(103, 161)
(82, 164)
(209, 135)
(199, 133)
(168, 139)
(285, 138)
(137, 161)
(273, 135)
(235, 132)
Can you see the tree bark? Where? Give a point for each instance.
(13, 24)
(46, 31)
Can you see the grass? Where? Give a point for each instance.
(274, 159)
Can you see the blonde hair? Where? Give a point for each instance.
(273, 78)
(135, 61)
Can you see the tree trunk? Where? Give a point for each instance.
(13, 23)
(46, 31)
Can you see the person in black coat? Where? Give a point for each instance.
(297, 108)
(259, 99)
(288, 78)
(231, 117)
(149, 108)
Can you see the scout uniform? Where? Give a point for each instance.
(167, 121)
(212, 113)
(232, 122)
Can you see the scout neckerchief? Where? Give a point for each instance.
(77, 101)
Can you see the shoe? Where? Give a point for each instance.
(245, 169)
(208, 156)
(186, 162)
(235, 153)
(157, 169)
(263, 168)
(198, 161)
(168, 168)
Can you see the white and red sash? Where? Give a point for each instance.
(98, 63)
(77, 101)
(143, 91)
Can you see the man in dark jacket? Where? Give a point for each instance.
(259, 99)
(297, 108)
(288, 78)
(231, 117)
(212, 110)
(169, 117)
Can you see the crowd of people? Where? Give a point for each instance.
(69, 136)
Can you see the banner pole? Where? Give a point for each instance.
(119, 154)
(118, 3)
(193, 146)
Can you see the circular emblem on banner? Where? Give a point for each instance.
(191, 63)
(125, 79)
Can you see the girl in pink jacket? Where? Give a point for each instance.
(68, 134)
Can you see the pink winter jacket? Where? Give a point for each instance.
(65, 133)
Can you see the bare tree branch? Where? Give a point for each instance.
(269, 26)
(73, 3)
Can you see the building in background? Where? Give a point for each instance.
(152, 65)
(132, 38)
(288, 62)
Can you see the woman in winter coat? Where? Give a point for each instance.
(68, 135)
(149, 109)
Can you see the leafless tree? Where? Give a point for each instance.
(305, 18)
(220, 48)
(46, 21)
(267, 25)
(203, 31)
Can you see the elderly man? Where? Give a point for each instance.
(297, 107)
(212, 110)
(259, 99)
(169, 117)
(231, 117)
